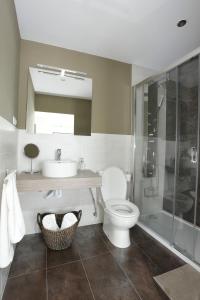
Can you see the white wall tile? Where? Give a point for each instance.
(8, 160)
(98, 150)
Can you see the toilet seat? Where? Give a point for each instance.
(122, 208)
(119, 214)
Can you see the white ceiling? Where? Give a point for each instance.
(141, 32)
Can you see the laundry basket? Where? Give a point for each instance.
(62, 239)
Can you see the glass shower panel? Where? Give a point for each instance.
(187, 160)
(150, 140)
(170, 152)
(167, 168)
(197, 208)
(139, 127)
(170, 148)
(150, 197)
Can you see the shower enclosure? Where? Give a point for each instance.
(166, 184)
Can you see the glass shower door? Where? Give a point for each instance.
(170, 152)
(167, 160)
(150, 146)
(186, 183)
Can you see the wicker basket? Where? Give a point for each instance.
(62, 239)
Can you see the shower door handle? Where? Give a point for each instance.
(193, 155)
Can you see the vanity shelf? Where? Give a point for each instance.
(37, 182)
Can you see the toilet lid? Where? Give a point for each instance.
(122, 208)
(114, 184)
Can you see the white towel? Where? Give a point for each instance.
(12, 228)
(69, 219)
(6, 247)
(15, 219)
(49, 222)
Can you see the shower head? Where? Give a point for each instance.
(161, 83)
(162, 87)
(161, 102)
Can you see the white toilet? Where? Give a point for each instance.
(119, 214)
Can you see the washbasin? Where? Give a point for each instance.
(58, 169)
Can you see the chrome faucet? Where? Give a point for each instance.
(58, 154)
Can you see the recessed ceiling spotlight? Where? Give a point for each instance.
(181, 23)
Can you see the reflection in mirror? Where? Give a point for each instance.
(58, 101)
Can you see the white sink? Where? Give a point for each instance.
(59, 168)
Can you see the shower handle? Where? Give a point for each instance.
(193, 155)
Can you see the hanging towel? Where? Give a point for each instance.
(6, 247)
(69, 219)
(12, 227)
(16, 224)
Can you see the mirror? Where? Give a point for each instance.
(58, 101)
(31, 151)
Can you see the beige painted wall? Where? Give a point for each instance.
(9, 60)
(9, 71)
(30, 117)
(111, 111)
(80, 108)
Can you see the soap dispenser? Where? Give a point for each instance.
(81, 164)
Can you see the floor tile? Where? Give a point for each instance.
(55, 258)
(26, 287)
(140, 271)
(30, 255)
(163, 257)
(107, 279)
(68, 282)
(140, 237)
(113, 273)
(105, 239)
(90, 242)
(160, 255)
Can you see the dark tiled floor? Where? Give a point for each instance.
(30, 256)
(68, 281)
(91, 269)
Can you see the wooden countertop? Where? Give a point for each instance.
(37, 182)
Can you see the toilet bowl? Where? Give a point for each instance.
(119, 214)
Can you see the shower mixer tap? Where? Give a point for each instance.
(193, 155)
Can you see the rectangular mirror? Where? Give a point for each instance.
(58, 101)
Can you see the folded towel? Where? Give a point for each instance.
(69, 219)
(12, 228)
(49, 222)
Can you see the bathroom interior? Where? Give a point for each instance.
(99, 149)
